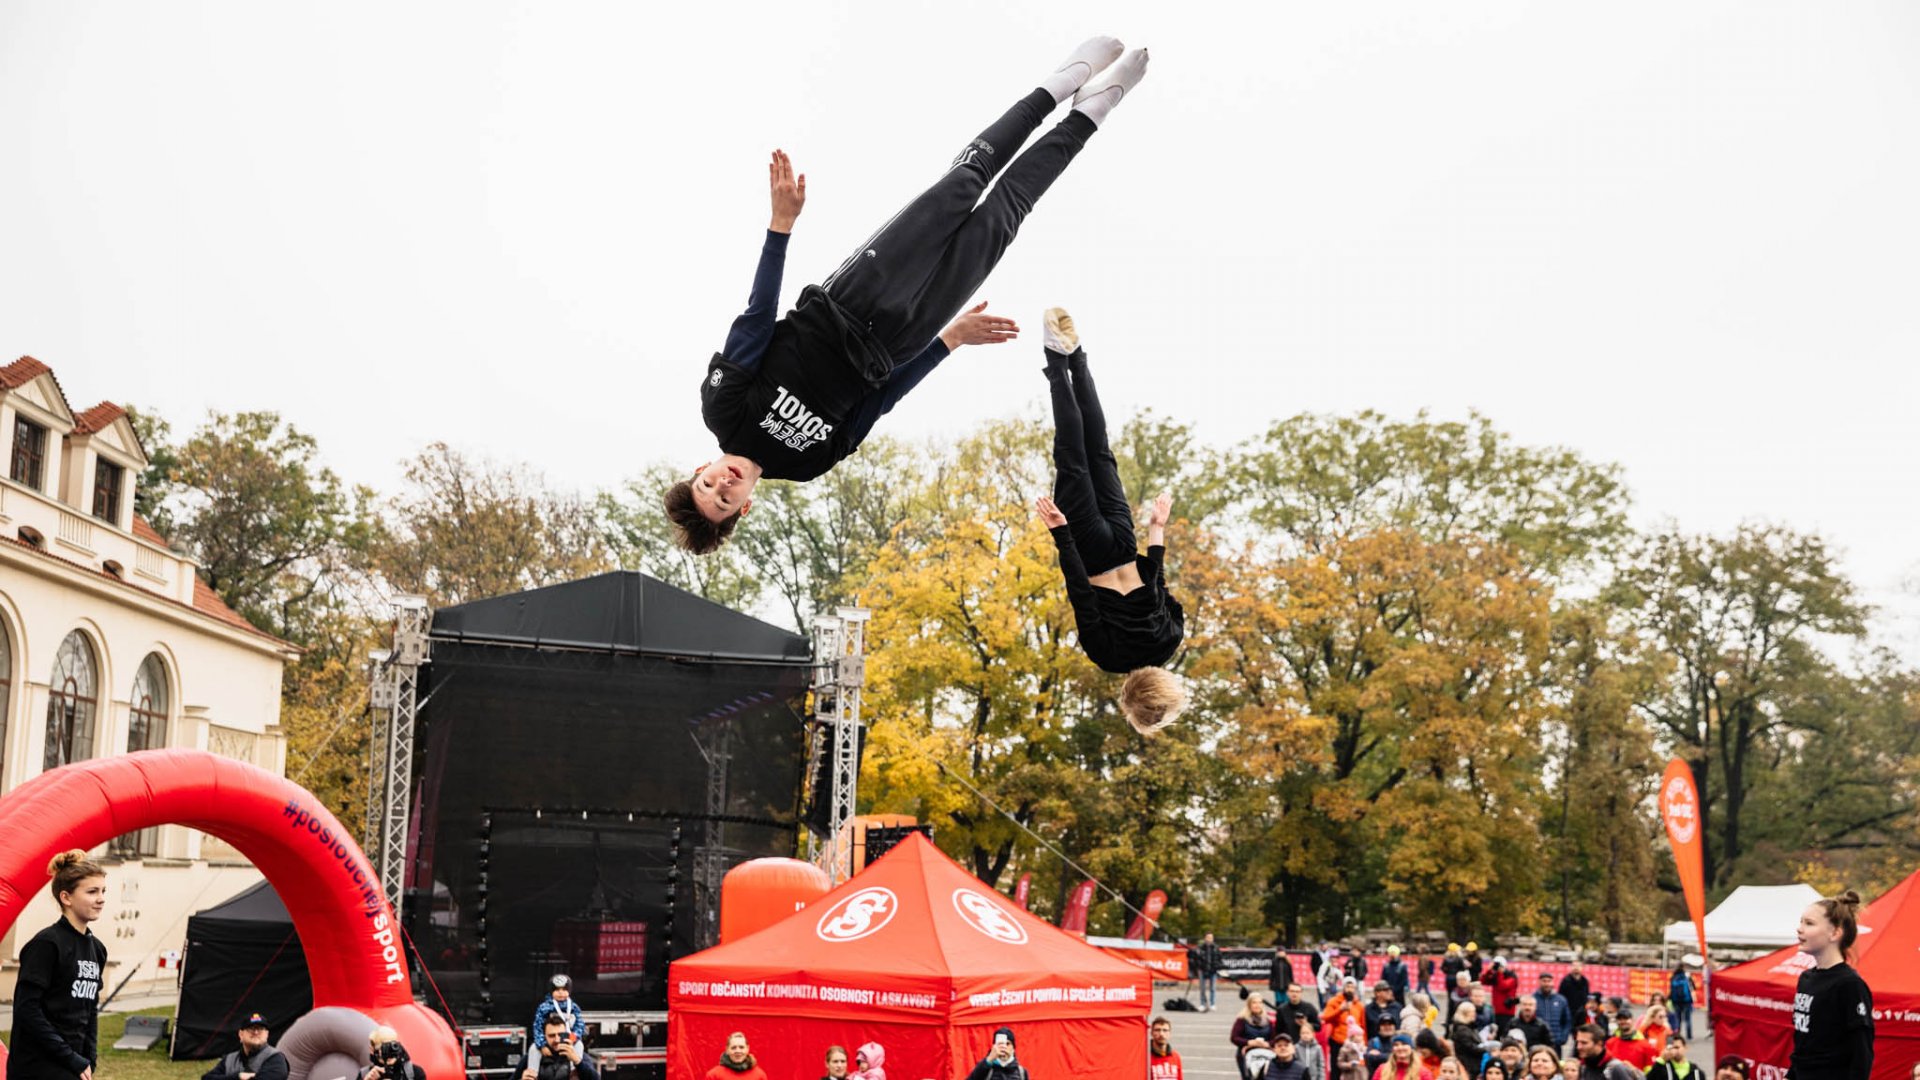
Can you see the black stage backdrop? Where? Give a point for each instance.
(566, 736)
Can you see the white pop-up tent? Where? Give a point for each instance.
(1751, 915)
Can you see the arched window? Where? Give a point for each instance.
(6, 691)
(73, 702)
(146, 730)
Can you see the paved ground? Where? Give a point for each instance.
(1206, 1054)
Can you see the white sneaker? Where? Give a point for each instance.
(1095, 55)
(1059, 334)
(1125, 75)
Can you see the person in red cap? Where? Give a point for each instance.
(257, 1059)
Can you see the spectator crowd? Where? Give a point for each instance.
(1478, 1023)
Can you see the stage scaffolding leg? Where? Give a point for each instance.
(396, 685)
(840, 673)
(712, 859)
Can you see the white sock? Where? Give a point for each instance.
(1099, 96)
(1091, 58)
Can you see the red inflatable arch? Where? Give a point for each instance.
(354, 951)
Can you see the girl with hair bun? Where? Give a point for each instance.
(1832, 1006)
(56, 1005)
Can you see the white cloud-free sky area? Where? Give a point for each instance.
(1681, 237)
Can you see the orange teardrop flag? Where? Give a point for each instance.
(1680, 810)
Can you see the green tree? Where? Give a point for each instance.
(464, 529)
(1844, 791)
(809, 541)
(1390, 686)
(268, 524)
(1316, 478)
(154, 485)
(1743, 621)
(1604, 770)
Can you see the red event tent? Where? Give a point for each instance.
(1753, 1002)
(918, 955)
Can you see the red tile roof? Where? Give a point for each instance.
(208, 602)
(97, 418)
(144, 531)
(21, 372)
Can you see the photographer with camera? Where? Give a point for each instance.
(390, 1060)
(559, 1056)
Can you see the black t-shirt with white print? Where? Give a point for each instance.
(789, 413)
(56, 1004)
(1832, 1025)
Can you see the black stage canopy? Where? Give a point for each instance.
(242, 957)
(587, 755)
(623, 612)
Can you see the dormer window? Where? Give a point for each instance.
(106, 490)
(29, 452)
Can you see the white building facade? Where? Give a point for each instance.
(110, 643)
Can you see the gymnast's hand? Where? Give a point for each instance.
(1050, 515)
(1162, 507)
(789, 192)
(973, 327)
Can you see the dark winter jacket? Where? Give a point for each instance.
(1204, 958)
(267, 1063)
(1395, 974)
(1554, 1011)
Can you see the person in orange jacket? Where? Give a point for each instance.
(1341, 1007)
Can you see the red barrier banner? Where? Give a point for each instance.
(1166, 964)
(1020, 890)
(1606, 980)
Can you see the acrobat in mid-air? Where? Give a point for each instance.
(788, 398)
(1127, 622)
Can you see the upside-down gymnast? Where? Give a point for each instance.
(1127, 622)
(788, 398)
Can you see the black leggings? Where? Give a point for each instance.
(915, 274)
(1086, 478)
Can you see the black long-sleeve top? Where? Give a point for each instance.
(1832, 1025)
(56, 1004)
(1123, 631)
(795, 395)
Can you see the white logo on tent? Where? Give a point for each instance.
(987, 917)
(858, 915)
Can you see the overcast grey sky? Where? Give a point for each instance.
(1681, 237)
